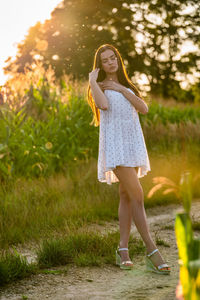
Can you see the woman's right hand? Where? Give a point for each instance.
(94, 75)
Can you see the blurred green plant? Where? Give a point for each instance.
(188, 246)
(182, 190)
(159, 113)
(196, 92)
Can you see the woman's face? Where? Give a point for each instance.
(109, 61)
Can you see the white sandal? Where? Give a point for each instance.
(125, 265)
(152, 268)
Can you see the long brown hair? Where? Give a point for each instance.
(121, 74)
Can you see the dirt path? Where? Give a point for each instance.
(110, 282)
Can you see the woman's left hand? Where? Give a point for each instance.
(111, 85)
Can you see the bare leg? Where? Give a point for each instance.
(130, 182)
(125, 220)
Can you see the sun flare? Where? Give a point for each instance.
(15, 19)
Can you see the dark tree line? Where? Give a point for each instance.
(77, 28)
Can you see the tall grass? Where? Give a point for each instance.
(13, 266)
(85, 249)
(36, 208)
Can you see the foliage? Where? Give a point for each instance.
(82, 249)
(150, 43)
(45, 125)
(49, 130)
(45, 135)
(196, 92)
(181, 190)
(188, 246)
(158, 113)
(13, 266)
(88, 248)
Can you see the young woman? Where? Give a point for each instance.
(122, 157)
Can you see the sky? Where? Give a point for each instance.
(16, 16)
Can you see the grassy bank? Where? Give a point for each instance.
(86, 249)
(42, 207)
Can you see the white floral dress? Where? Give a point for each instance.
(121, 140)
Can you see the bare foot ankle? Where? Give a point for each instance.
(156, 258)
(124, 254)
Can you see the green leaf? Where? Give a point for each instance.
(194, 265)
(184, 237)
(196, 249)
(186, 190)
(185, 282)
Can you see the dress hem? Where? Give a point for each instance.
(103, 179)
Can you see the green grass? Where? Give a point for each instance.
(159, 241)
(84, 249)
(31, 210)
(13, 267)
(35, 209)
(168, 227)
(81, 249)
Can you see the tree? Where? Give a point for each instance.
(68, 40)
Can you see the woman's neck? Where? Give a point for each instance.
(112, 77)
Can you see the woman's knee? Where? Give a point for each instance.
(139, 195)
(127, 177)
(133, 195)
(131, 192)
(122, 189)
(123, 193)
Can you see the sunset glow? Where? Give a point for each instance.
(15, 19)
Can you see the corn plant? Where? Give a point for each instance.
(46, 134)
(161, 114)
(45, 125)
(188, 246)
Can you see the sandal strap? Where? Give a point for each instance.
(163, 266)
(121, 249)
(150, 254)
(127, 261)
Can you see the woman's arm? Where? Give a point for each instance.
(100, 99)
(137, 102)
